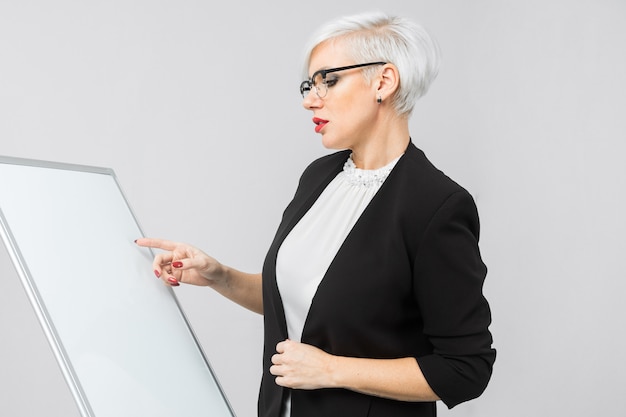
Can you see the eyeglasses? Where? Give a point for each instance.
(320, 84)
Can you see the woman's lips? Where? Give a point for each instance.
(320, 123)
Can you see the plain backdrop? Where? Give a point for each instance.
(196, 108)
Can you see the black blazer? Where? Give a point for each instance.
(407, 282)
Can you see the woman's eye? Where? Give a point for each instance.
(331, 81)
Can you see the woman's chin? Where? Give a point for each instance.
(332, 143)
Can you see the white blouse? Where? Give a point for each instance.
(310, 247)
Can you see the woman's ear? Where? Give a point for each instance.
(388, 82)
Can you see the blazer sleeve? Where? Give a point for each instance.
(448, 282)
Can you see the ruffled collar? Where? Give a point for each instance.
(367, 177)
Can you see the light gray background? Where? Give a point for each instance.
(195, 107)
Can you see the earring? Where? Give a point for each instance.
(379, 100)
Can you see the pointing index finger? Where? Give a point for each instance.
(156, 243)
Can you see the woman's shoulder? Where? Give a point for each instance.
(419, 191)
(420, 173)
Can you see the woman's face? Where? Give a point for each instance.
(347, 113)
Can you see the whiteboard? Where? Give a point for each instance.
(119, 335)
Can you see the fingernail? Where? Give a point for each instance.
(157, 273)
(177, 264)
(173, 282)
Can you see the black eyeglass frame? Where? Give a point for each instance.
(307, 85)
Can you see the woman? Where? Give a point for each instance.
(372, 288)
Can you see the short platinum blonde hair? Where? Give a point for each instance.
(376, 36)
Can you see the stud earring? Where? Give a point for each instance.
(379, 100)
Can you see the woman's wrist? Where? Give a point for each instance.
(219, 277)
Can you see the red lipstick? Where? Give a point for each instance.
(320, 123)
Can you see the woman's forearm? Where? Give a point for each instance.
(302, 366)
(243, 288)
(398, 379)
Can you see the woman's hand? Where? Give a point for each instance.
(183, 263)
(301, 366)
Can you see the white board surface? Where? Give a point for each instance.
(119, 335)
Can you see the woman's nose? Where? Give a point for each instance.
(312, 101)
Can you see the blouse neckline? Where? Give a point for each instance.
(367, 177)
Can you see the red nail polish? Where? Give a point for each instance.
(173, 282)
(157, 273)
(177, 264)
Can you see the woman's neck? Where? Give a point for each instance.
(382, 148)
